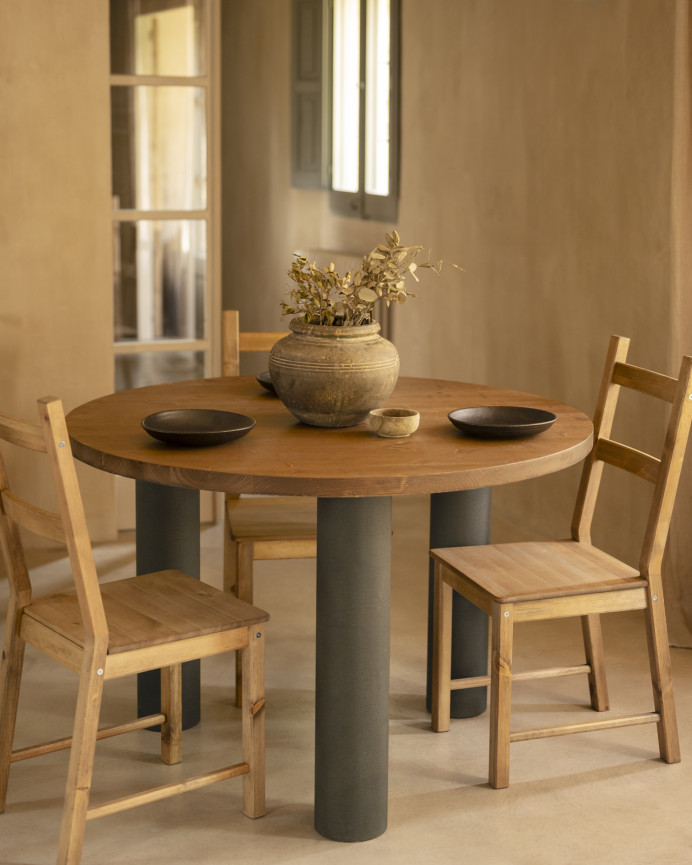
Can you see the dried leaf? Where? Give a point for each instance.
(367, 294)
(323, 296)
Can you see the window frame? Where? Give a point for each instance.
(312, 87)
(362, 204)
(209, 81)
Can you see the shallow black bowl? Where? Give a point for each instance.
(265, 379)
(502, 421)
(197, 427)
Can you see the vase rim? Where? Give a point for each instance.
(298, 325)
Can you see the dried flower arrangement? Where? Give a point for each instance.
(322, 296)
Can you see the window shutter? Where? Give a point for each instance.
(307, 157)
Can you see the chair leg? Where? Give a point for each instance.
(442, 652)
(10, 681)
(253, 723)
(172, 707)
(661, 677)
(81, 765)
(500, 695)
(230, 553)
(243, 589)
(593, 648)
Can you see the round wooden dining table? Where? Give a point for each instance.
(354, 473)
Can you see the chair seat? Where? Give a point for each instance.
(269, 518)
(536, 570)
(149, 610)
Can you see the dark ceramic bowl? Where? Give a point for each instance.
(265, 379)
(502, 421)
(198, 427)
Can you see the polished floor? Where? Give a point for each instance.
(602, 797)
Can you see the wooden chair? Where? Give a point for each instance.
(103, 632)
(520, 582)
(263, 527)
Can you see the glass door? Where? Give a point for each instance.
(165, 182)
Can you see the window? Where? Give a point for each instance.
(346, 103)
(364, 127)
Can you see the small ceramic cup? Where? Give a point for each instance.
(394, 422)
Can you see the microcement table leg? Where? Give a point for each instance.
(461, 519)
(352, 684)
(168, 537)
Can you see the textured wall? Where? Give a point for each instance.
(55, 251)
(553, 182)
(678, 566)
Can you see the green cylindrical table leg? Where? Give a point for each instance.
(352, 684)
(168, 537)
(461, 519)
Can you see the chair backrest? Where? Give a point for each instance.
(68, 526)
(233, 342)
(662, 471)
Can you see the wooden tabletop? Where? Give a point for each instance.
(283, 456)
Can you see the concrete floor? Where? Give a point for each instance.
(599, 798)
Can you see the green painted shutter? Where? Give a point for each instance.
(307, 146)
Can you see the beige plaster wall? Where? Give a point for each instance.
(55, 252)
(537, 152)
(255, 118)
(679, 558)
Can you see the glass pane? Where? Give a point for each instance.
(157, 37)
(159, 148)
(159, 280)
(346, 95)
(139, 370)
(377, 98)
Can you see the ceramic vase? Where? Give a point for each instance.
(333, 376)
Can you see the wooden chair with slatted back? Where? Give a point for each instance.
(520, 582)
(263, 527)
(103, 632)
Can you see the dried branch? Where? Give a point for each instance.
(322, 296)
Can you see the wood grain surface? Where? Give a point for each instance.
(285, 457)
